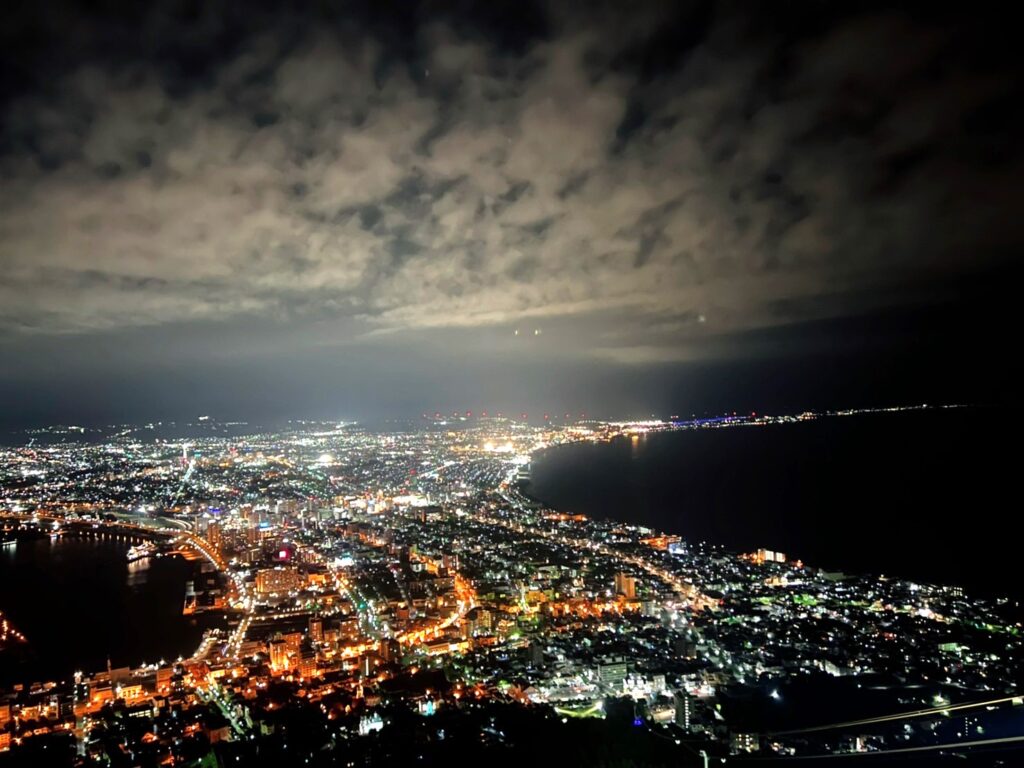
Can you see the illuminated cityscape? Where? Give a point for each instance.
(369, 576)
(512, 383)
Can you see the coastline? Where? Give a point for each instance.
(140, 603)
(562, 495)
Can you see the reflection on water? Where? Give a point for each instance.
(138, 571)
(868, 493)
(79, 600)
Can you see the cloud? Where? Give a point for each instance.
(462, 181)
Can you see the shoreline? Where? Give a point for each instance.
(528, 489)
(29, 654)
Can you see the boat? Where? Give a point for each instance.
(143, 551)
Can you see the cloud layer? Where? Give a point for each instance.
(650, 181)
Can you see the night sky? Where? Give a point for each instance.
(370, 209)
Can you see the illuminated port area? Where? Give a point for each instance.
(402, 578)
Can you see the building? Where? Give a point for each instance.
(769, 556)
(293, 640)
(625, 585)
(744, 742)
(213, 535)
(280, 656)
(368, 665)
(684, 647)
(391, 650)
(280, 580)
(479, 621)
(163, 679)
(683, 709)
(612, 672)
(316, 629)
(370, 723)
(307, 663)
(536, 653)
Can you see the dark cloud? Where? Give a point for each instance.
(667, 180)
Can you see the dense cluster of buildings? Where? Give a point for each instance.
(368, 577)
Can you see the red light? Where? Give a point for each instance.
(283, 554)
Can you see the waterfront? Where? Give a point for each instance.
(382, 578)
(78, 601)
(912, 494)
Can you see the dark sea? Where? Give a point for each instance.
(932, 495)
(78, 601)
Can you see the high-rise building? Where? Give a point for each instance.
(391, 650)
(368, 664)
(682, 701)
(625, 585)
(316, 629)
(536, 653)
(213, 535)
(279, 655)
(307, 663)
(479, 621)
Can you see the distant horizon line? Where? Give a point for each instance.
(468, 417)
